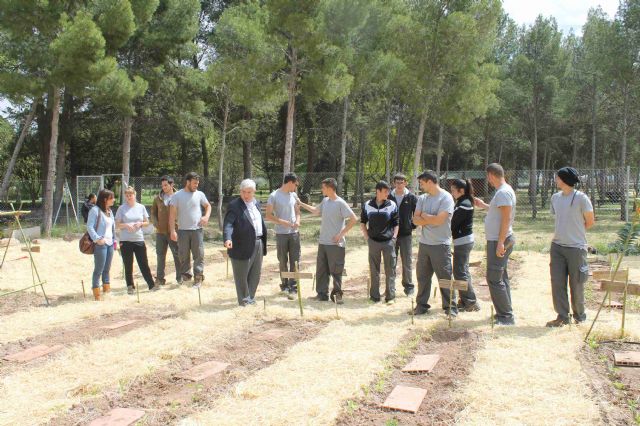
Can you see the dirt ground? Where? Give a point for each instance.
(334, 365)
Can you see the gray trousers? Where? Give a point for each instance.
(434, 259)
(163, 241)
(498, 281)
(404, 245)
(288, 250)
(329, 262)
(246, 275)
(461, 272)
(568, 264)
(378, 251)
(191, 244)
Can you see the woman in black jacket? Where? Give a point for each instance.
(462, 233)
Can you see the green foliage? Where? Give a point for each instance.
(116, 21)
(629, 232)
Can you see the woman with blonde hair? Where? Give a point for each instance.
(130, 219)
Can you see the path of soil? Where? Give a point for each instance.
(617, 388)
(86, 331)
(167, 399)
(457, 349)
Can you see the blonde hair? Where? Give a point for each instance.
(130, 190)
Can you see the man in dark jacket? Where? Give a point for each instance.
(406, 203)
(88, 204)
(379, 224)
(160, 220)
(245, 237)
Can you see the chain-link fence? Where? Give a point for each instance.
(612, 191)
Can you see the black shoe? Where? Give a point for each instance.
(338, 299)
(420, 310)
(374, 300)
(558, 322)
(160, 281)
(505, 323)
(320, 298)
(131, 290)
(291, 295)
(154, 288)
(409, 292)
(186, 278)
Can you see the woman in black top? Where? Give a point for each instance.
(462, 233)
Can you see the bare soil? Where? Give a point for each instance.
(457, 349)
(617, 388)
(166, 399)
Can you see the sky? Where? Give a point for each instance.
(570, 14)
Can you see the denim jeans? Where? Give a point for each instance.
(102, 256)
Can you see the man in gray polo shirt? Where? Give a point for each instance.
(573, 216)
(331, 250)
(186, 205)
(498, 226)
(283, 210)
(433, 213)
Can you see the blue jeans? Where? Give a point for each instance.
(102, 256)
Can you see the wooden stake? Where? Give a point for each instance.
(413, 314)
(450, 300)
(137, 291)
(300, 291)
(84, 293)
(624, 305)
(264, 302)
(199, 296)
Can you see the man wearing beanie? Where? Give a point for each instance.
(573, 216)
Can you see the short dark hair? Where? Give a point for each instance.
(382, 185)
(429, 175)
(168, 179)
(331, 183)
(399, 176)
(495, 169)
(90, 196)
(103, 196)
(190, 176)
(290, 177)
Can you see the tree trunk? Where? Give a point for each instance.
(574, 153)
(343, 145)
(51, 169)
(545, 182)
(126, 149)
(66, 133)
(594, 110)
(417, 161)
(311, 159)
(486, 156)
(397, 161)
(533, 175)
(221, 165)
(246, 159)
(205, 157)
(359, 187)
(387, 165)
(16, 150)
(291, 108)
(623, 153)
(439, 151)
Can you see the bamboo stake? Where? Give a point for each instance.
(413, 314)
(264, 303)
(199, 296)
(300, 291)
(84, 293)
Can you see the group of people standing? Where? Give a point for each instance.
(178, 219)
(387, 222)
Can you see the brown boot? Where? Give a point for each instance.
(106, 288)
(96, 293)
